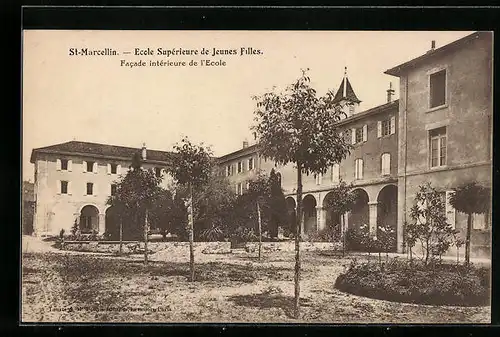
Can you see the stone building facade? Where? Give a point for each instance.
(445, 129)
(73, 181)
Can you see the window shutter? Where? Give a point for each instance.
(356, 162)
(69, 188)
(335, 172)
(94, 189)
(58, 164)
(353, 136)
(94, 167)
(84, 163)
(393, 125)
(450, 211)
(361, 169)
(388, 164)
(320, 178)
(58, 182)
(365, 133)
(118, 169)
(379, 129)
(70, 165)
(109, 168)
(479, 221)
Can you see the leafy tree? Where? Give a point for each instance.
(298, 126)
(213, 202)
(340, 200)
(430, 223)
(160, 215)
(134, 197)
(277, 205)
(191, 167)
(470, 199)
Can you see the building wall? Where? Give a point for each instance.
(466, 116)
(55, 211)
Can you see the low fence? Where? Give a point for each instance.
(289, 246)
(131, 247)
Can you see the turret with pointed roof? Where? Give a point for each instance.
(345, 96)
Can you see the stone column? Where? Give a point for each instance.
(320, 218)
(372, 219)
(102, 224)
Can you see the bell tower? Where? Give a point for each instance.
(346, 97)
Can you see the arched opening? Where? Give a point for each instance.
(112, 224)
(89, 219)
(278, 175)
(309, 205)
(358, 221)
(292, 215)
(333, 219)
(387, 214)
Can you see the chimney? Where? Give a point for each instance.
(143, 153)
(390, 92)
(245, 143)
(433, 44)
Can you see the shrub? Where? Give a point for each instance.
(415, 282)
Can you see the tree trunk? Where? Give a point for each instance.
(297, 241)
(191, 233)
(467, 239)
(260, 230)
(146, 236)
(121, 236)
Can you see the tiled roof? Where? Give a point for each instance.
(101, 150)
(349, 96)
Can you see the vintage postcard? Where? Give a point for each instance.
(256, 176)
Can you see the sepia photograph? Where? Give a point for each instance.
(211, 176)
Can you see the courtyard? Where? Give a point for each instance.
(62, 286)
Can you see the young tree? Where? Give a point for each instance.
(133, 199)
(297, 126)
(470, 199)
(340, 200)
(191, 167)
(429, 221)
(277, 204)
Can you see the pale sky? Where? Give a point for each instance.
(94, 99)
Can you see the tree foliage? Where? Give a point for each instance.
(300, 127)
(192, 163)
(135, 192)
(277, 205)
(429, 225)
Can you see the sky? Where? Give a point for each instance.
(97, 99)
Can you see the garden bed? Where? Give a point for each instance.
(413, 282)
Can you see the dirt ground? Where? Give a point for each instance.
(84, 287)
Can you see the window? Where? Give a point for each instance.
(64, 164)
(239, 188)
(358, 169)
(113, 189)
(437, 82)
(113, 168)
(250, 164)
(319, 178)
(240, 167)
(248, 185)
(359, 134)
(228, 170)
(480, 221)
(90, 166)
(158, 171)
(386, 164)
(438, 147)
(90, 188)
(336, 173)
(64, 187)
(386, 127)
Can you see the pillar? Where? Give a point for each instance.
(372, 217)
(102, 224)
(320, 217)
(401, 217)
